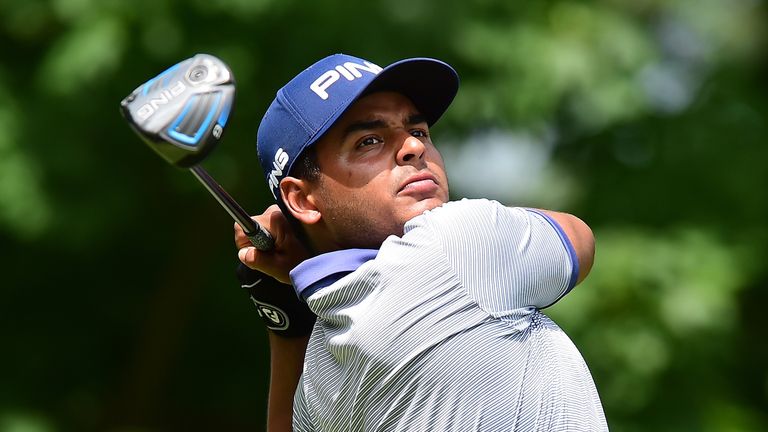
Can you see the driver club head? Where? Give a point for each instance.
(181, 113)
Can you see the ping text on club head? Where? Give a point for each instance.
(163, 98)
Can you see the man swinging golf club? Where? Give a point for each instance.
(428, 311)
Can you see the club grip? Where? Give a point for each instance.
(259, 237)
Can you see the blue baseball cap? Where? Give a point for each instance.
(306, 107)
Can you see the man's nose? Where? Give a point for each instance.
(411, 152)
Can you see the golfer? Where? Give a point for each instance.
(428, 311)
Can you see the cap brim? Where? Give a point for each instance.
(430, 84)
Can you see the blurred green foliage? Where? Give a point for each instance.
(648, 118)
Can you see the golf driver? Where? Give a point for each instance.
(181, 114)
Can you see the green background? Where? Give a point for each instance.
(119, 310)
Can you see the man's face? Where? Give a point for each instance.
(379, 169)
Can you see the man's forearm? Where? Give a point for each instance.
(286, 364)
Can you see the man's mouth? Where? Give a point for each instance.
(422, 183)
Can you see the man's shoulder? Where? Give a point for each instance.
(463, 208)
(470, 203)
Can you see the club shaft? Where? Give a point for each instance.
(259, 236)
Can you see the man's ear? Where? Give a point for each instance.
(298, 199)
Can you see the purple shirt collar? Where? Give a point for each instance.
(323, 270)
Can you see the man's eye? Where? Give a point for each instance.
(419, 133)
(371, 140)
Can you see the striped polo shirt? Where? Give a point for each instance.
(441, 329)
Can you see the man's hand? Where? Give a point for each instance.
(287, 253)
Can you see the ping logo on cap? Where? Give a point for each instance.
(281, 160)
(348, 70)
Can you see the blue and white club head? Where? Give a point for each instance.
(182, 112)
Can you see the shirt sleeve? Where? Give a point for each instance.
(507, 258)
